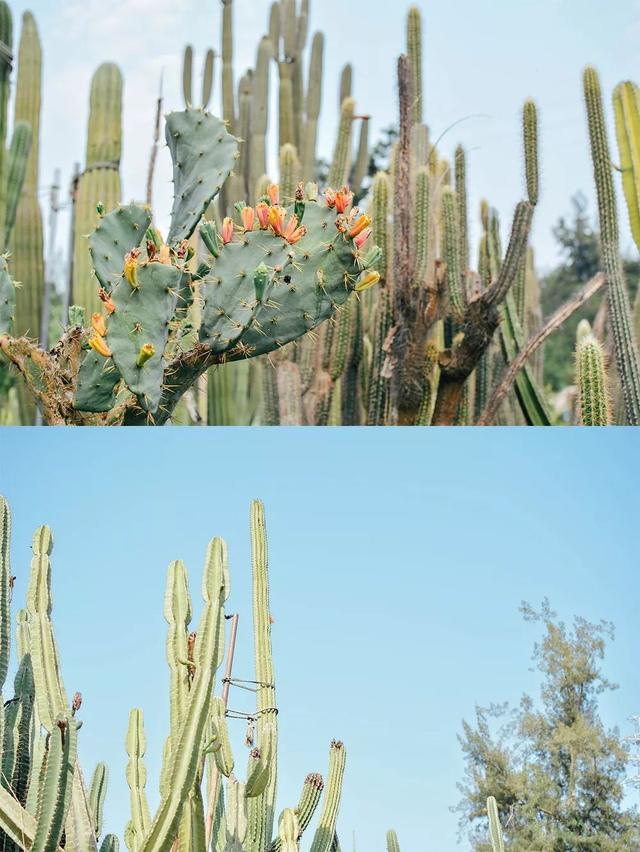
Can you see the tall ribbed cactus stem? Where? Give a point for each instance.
(626, 348)
(392, 842)
(414, 52)
(100, 181)
(495, 829)
(326, 830)
(27, 247)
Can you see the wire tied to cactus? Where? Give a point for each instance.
(105, 164)
(241, 684)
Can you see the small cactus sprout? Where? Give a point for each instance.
(146, 353)
(594, 405)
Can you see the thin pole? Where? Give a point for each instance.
(68, 293)
(54, 209)
(226, 684)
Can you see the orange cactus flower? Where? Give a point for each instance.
(273, 192)
(369, 279)
(360, 225)
(227, 230)
(98, 344)
(248, 218)
(98, 324)
(276, 220)
(343, 199)
(262, 212)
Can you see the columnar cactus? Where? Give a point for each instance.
(241, 817)
(626, 347)
(99, 184)
(27, 247)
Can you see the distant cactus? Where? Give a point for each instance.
(201, 800)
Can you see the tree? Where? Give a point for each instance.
(556, 772)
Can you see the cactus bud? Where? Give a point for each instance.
(227, 230)
(360, 225)
(368, 279)
(247, 215)
(98, 344)
(260, 280)
(98, 324)
(145, 354)
(262, 212)
(131, 267)
(273, 192)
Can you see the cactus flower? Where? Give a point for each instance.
(369, 279)
(98, 324)
(99, 345)
(273, 192)
(330, 197)
(294, 232)
(360, 225)
(131, 267)
(145, 354)
(262, 212)
(277, 216)
(362, 238)
(227, 230)
(248, 218)
(343, 199)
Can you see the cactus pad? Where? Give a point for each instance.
(117, 234)
(203, 155)
(7, 298)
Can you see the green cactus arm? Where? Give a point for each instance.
(203, 155)
(17, 162)
(259, 114)
(97, 795)
(531, 156)
(342, 151)
(137, 773)
(495, 829)
(5, 589)
(56, 784)
(594, 400)
(79, 830)
(111, 843)
(326, 830)
(178, 613)
(18, 730)
(362, 156)
(6, 64)
(314, 99)
(460, 177)
(186, 754)
(235, 816)
(626, 347)
(50, 695)
(227, 65)
(289, 830)
(451, 254)
(17, 823)
(392, 841)
(98, 380)
(267, 728)
(414, 52)
(220, 744)
(306, 807)
(626, 104)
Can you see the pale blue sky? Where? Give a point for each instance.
(398, 561)
(481, 59)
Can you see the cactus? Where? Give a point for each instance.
(626, 348)
(594, 403)
(99, 184)
(495, 829)
(392, 842)
(244, 816)
(267, 282)
(27, 244)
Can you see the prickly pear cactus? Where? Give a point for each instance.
(7, 298)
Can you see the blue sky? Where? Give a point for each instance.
(398, 562)
(481, 62)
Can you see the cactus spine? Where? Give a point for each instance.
(100, 181)
(626, 348)
(27, 243)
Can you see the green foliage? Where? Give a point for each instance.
(555, 771)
